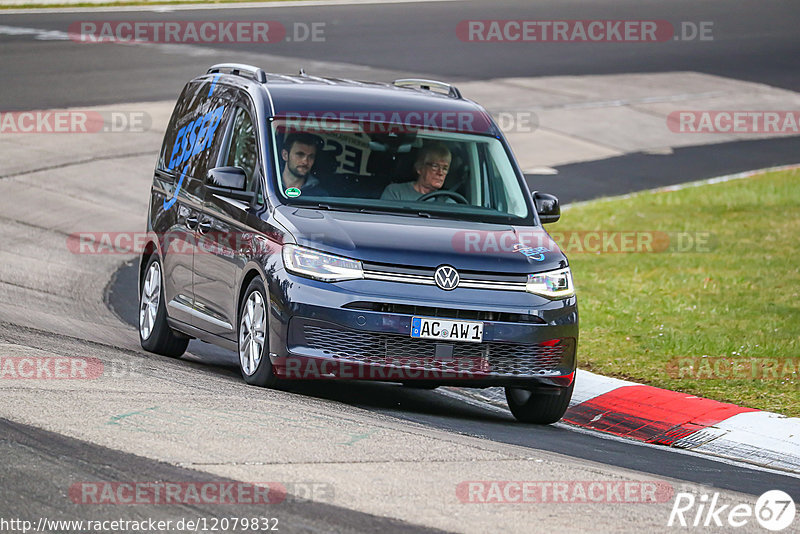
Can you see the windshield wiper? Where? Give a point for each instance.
(378, 211)
(407, 213)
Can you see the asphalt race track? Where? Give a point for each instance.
(354, 457)
(759, 45)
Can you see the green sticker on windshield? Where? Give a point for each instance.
(292, 192)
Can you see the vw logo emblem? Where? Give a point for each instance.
(446, 277)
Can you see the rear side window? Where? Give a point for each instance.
(192, 140)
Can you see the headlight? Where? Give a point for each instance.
(553, 285)
(319, 265)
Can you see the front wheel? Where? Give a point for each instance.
(155, 335)
(539, 407)
(253, 337)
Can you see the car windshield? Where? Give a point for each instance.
(367, 166)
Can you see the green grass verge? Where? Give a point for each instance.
(730, 312)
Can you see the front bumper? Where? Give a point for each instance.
(344, 331)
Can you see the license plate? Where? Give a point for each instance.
(446, 330)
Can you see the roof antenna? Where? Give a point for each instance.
(302, 72)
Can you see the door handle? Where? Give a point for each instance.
(204, 227)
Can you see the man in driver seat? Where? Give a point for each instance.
(431, 168)
(299, 153)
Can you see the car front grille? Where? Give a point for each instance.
(402, 352)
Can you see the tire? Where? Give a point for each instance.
(155, 335)
(253, 337)
(538, 408)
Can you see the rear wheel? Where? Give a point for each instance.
(540, 407)
(155, 335)
(253, 338)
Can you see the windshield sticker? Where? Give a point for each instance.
(535, 254)
(292, 192)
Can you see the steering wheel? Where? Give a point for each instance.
(444, 193)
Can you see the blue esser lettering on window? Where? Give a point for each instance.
(185, 152)
(195, 137)
(172, 160)
(191, 140)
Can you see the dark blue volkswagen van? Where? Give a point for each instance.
(333, 229)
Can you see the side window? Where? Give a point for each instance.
(185, 107)
(242, 150)
(193, 133)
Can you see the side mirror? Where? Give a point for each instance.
(229, 182)
(230, 177)
(547, 207)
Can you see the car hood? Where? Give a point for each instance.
(423, 242)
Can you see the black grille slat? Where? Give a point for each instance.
(397, 351)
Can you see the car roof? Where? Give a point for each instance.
(293, 95)
(335, 94)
